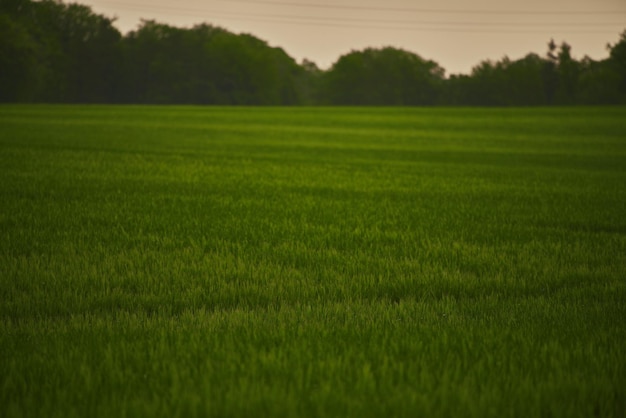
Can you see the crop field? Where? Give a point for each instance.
(312, 262)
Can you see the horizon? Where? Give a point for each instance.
(456, 37)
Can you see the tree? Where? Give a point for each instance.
(549, 73)
(386, 76)
(159, 64)
(67, 52)
(568, 73)
(20, 75)
(488, 87)
(617, 62)
(206, 65)
(245, 70)
(308, 83)
(90, 46)
(51, 51)
(597, 83)
(525, 84)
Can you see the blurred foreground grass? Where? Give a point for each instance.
(182, 261)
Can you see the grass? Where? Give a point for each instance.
(188, 261)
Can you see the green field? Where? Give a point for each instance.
(315, 262)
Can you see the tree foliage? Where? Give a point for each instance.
(51, 51)
(386, 76)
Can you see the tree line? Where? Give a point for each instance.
(55, 52)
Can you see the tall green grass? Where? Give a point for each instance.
(183, 261)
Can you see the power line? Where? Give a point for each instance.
(414, 28)
(384, 24)
(360, 22)
(422, 10)
(409, 9)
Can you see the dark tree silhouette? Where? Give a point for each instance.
(385, 76)
(617, 62)
(549, 73)
(51, 51)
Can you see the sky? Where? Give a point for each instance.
(457, 34)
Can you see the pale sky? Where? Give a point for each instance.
(457, 34)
